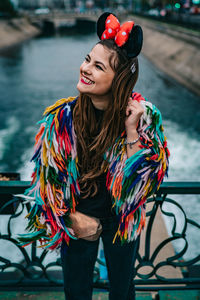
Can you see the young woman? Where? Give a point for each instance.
(100, 155)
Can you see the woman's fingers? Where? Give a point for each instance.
(134, 106)
(128, 110)
(134, 112)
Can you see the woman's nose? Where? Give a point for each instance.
(86, 68)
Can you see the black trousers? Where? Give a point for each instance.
(78, 260)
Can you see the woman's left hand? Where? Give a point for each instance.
(134, 111)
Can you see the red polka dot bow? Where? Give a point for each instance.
(113, 30)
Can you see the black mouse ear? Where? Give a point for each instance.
(101, 22)
(134, 43)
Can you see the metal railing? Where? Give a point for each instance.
(158, 250)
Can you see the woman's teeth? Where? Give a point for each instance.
(87, 80)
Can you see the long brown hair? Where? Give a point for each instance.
(92, 144)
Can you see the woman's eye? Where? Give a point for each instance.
(86, 59)
(99, 67)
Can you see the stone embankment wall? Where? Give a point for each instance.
(174, 50)
(15, 31)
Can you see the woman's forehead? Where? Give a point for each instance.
(101, 53)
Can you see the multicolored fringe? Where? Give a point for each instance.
(55, 182)
(132, 180)
(55, 178)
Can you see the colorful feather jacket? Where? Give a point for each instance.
(55, 178)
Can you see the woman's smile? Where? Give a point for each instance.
(86, 80)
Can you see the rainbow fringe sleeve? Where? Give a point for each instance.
(54, 182)
(132, 180)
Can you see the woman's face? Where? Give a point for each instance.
(96, 74)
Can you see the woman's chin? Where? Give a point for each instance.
(80, 90)
(80, 87)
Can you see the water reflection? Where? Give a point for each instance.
(15, 53)
(43, 70)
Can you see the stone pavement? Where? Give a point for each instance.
(45, 295)
(158, 235)
(161, 295)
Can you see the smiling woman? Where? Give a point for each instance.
(97, 158)
(96, 76)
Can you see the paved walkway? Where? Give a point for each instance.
(161, 295)
(60, 295)
(159, 233)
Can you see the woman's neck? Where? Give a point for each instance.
(100, 103)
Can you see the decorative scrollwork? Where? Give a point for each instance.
(40, 267)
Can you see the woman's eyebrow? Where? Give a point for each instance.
(97, 62)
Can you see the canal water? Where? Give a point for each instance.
(37, 73)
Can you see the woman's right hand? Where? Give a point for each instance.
(134, 111)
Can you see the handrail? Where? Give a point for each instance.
(171, 187)
(154, 255)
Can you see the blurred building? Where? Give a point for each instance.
(15, 3)
(32, 4)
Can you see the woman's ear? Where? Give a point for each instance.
(134, 43)
(101, 23)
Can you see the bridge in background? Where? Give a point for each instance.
(57, 20)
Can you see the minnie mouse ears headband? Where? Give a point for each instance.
(127, 36)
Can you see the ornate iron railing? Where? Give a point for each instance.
(163, 261)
